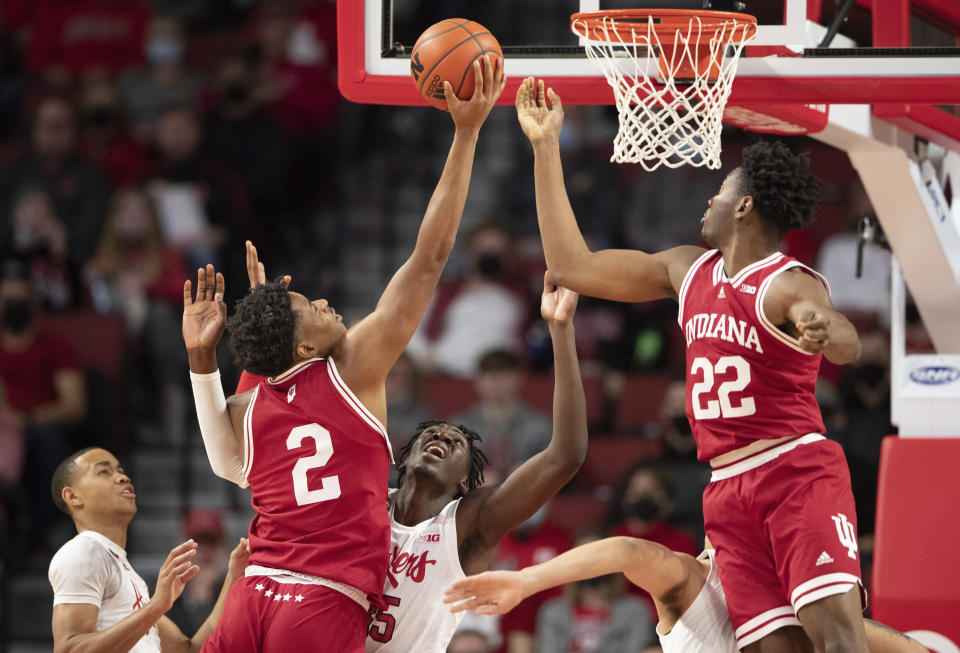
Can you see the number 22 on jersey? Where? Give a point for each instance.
(723, 405)
(329, 485)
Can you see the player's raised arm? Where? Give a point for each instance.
(487, 514)
(621, 275)
(204, 319)
(374, 344)
(651, 566)
(800, 303)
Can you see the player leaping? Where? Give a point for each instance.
(691, 606)
(779, 508)
(310, 440)
(445, 526)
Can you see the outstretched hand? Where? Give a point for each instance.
(255, 271)
(489, 80)
(204, 316)
(492, 592)
(176, 572)
(537, 120)
(557, 304)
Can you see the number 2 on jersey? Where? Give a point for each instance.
(721, 406)
(329, 485)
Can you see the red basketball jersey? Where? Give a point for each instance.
(746, 379)
(317, 463)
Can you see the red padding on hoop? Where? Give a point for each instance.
(778, 118)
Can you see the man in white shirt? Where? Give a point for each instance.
(99, 602)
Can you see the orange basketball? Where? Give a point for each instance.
(446, 52)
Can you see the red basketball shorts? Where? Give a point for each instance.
(262, 615)
(785, 529)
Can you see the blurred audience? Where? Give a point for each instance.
(44, 390)
(595, 616)
(205, 527)
(200, 201)
(137, 275)
(39, 240)
(81, 35)
(77, 186)
(488, 308)
(405, 404)
(103, 135)
(678, 442)
(512, 431)
(641, 508)
(163, 81)
(531, 543)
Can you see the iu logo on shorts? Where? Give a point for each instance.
(847, 533)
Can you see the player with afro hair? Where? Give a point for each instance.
(786, 195)
(261, 330)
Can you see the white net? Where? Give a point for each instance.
(666, 119)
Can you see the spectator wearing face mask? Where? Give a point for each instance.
(103, 134)
(163, 81)
(641, 508)
(44, 390)
(678, 442)
(487, 308)
(39, 240)
(77, 186)
(594, 616)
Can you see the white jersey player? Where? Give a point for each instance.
(424, 560)
(100, 603)
(445, 526)
(686, 592)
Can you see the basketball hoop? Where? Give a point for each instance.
(670, 114)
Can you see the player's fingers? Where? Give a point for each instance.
(477, 78)
(201, 283)
(555, 100)
(815, 335)
(451, 97)
(187, 293)
(469, 604)
(458, 592)
(180, 548)
(211, 277)
(488, 79)
(220, 287)
(486, 609)
(541, 98)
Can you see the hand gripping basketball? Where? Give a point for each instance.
(489, 83)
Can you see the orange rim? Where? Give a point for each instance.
(667, 22)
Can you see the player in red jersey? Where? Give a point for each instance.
(779, 506)
(310, 439)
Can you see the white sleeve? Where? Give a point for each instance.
(81, 572)
(223, 449)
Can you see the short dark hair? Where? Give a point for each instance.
(478, 460)
(63, 476)
(498, 360)
(785, 193)
(261, 330)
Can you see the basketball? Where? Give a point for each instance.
(446, 52)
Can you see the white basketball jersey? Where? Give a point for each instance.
(424, 561)
(705, 626)
(93, 569)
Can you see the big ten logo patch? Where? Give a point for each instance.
(411, 565)
(429, 537)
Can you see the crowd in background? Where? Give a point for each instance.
(139, 140)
